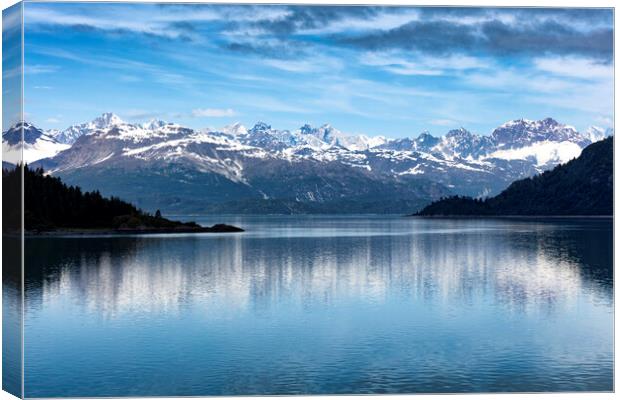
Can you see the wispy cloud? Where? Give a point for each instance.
(172, 22)
(574, 67)
(394, 69)
(29, 70)
(141, 115)
(274, 105)
(46, 16)
(213, 112)
(408, 63)
(432, 30)
(319, 64)
(604, 120)
(397, 65)
(493, 38)
(40, 69)
(156, 73)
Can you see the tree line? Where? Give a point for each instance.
(50, 204)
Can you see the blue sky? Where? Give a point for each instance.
(11, 66)
(394, 71)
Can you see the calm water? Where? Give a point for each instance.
(324, 305)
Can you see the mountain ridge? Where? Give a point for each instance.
(319, 166)
(583, 186)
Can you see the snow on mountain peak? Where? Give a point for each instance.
(515, 122)
(522, 133)
(596, 133)
(325, 133)
(74, 132)
(107, 120)
(546, 141)
(235, 129)
(36, 143)
(425, 136)
(550, 121)
(306, 129)
(154, 124)
(260, 127)
(459, 133)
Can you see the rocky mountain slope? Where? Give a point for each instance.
(37, 144)
(312, 169)
(583, 186)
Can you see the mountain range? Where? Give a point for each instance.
(162, 165)
(583, 186)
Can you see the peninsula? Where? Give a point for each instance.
(52, 207)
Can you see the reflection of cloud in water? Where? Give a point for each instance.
(235, 274)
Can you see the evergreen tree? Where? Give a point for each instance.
(583, 186)
(51, 204)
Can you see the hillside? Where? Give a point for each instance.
(51, 205)
(583, 186)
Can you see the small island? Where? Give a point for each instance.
(51, 207)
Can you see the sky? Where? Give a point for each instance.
(393, 71)
(11, 67)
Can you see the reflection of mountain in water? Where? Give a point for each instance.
(544, 266)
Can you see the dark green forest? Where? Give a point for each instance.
(583, 186)
(50, 204)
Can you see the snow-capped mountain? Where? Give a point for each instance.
(523, 132)
(72, 133)
(37, 144)
(595, 133)
(236, 129)
(460, 143)
(153, 124)
(167, 166)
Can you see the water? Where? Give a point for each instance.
(324, 305)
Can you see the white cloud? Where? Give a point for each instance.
(594, 98)
(573, 67)
(579, 95)
(43, 16)
(40, 69)
(391, 19)
(142, 115)
(508, 80)
(52, 120)
(396, 65)
(137, 69)
(316, 64)
(213, 112)
(401, 64)
(604, 120)
(30, 70)
(147, 20)
(382, 21)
